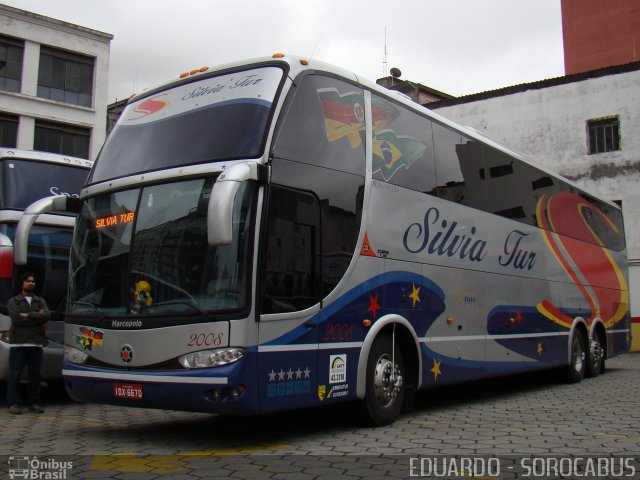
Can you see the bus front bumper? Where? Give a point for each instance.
(207, 390)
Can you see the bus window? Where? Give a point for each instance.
(459, 168)
(320, 149)
(402, 147)
(502, 173)
(324, 126)
(24, 182)
(291, 270)
(534, 184)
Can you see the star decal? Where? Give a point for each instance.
(436, 370)
(373, 305)
(415, 295)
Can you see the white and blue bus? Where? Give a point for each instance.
(281, 234)
(25, 177)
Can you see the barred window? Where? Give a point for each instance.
(603, 134)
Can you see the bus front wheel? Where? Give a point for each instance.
(385, 387)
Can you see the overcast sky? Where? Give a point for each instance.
(455, 46)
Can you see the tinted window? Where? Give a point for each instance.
(24, 182)
(506, 186)
(340, 196)
(290, 278)
(324, 125)
(459, 168)
(402, 147)
(212, 119)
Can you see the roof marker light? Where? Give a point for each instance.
(304, 62)
(278, 55)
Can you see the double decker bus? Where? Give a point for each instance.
(281, 234)
(25, 177)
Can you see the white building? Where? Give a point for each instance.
(584, 126)
(53, 84)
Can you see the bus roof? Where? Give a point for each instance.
(45, 157)
(298, 64)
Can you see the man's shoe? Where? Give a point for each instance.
(35, 408)
(15, 409)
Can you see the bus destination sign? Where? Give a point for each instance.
(111, 220)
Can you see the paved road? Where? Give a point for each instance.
(532, 424)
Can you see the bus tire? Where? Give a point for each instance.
(385, 387)
(595, 359)
(578, 359)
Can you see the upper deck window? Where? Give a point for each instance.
(211, 119)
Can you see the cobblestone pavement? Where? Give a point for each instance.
(453, 432)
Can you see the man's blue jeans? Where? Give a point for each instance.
(19, 357)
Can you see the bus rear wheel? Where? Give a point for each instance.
(595, 359)
(578, 359)
(385, 387)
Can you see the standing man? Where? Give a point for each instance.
(29, 314)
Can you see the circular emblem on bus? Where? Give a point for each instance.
(126, 353)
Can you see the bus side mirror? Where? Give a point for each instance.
(6, 257)
(58, 203)
(223, 194)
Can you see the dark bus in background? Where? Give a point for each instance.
(25, 177)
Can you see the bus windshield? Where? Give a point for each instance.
(213, 119)
(144, 251)
(24, 182)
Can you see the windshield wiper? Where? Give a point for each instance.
(190, 303)
(93, 307)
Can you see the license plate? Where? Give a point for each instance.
(127, 390)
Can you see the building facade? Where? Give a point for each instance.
(53, 84)
(599, 34)
(583, 126)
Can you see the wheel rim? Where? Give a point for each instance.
(387, 380)
(597, 352)
(578, 355)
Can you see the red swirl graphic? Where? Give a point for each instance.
(588, 263)
(149, 107)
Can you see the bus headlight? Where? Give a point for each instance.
(74, 355)
(211, 358)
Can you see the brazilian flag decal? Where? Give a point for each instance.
(390, 152)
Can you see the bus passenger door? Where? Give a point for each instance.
(289, 300)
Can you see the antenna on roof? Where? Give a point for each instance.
(384, 58)
(316, 46)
